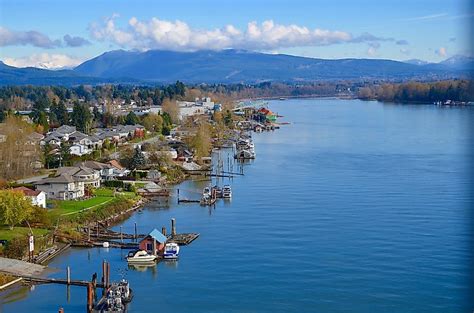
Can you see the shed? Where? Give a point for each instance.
(153, 239)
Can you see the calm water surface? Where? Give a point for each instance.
(354, 207)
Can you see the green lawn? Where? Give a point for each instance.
(103, 196)
(7, 234)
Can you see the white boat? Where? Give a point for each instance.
(226, 192)
(206, 192)
(140, 256)
(245, 154)
(171, 251)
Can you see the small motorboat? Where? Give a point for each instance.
(171, 251)
(226, 192)
(245, 154)
(140, 256)
(217, 191)
(206, 192)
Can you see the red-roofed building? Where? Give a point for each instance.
(37, 197)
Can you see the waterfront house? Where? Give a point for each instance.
(62, 187)
(118, 169)
(153, 239)
(88, 176)
(37, 197)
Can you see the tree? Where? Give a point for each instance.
(43, 121)
(81, 117)
(138, 159)
(153, 122)
(172, 109)
(131, 118)
(201, 142)
(60, 111)
(14, 207)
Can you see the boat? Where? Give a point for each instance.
(245, 154)
(171, 251)
(140, 256)
(206, 192)
(226, 192)
(115, 299)
(217, 191)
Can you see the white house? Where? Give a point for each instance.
(78, 149)
(62, 187)
(88, 176)
(37, 197)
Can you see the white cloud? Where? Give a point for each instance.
(44, 60)
(179, 36)
(442, 52)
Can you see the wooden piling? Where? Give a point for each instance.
(136, 235)
(108, 275)
(68, 275)
(154, 247)
(104, 270)
(90, 297)
(163, 230)
(173, 227)
(178, 195)
(121, 234)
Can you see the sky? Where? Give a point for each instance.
(56, 34)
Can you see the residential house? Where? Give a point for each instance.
(106, 170)
(37, 197)
(62, 187)
(118, 169)
(153, 243)
(79, 150)
(88, 176)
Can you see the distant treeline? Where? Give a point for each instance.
(454, 90)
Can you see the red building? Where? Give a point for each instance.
(155, 238)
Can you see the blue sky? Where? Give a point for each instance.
(33, 32)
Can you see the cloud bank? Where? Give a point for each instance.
(179, 36)
(34, 38)
(21, 38)
(44, 60)
(75, 41)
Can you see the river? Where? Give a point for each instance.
(353, 207)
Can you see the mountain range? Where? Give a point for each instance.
(230, 66)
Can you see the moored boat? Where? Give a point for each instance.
(140, 256)
(226, 192)
(171, 251)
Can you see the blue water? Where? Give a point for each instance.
(353, 207)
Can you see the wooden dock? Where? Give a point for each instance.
(183, 239)
(43, 280)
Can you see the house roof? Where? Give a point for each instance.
(35, 136)
(61, 179)
(158, 236)
(75, 170)
(116, 164)
(65, 129)
(27, 191)
(77, 136)
(94, 165)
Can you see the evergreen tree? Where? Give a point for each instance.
(138, 159)
(131, 119)
(81, 117)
